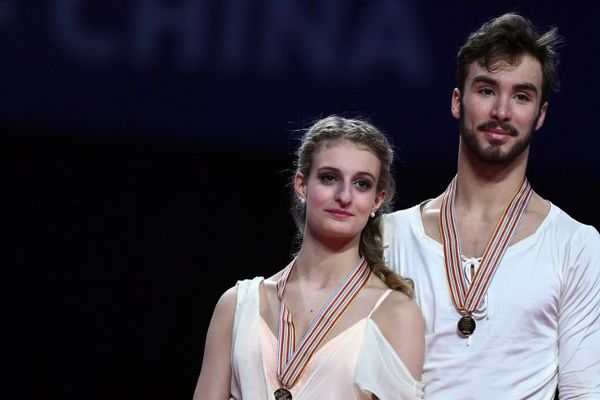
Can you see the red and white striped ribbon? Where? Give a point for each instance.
(292, 359)
(466, 299)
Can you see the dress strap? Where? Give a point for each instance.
(379, 301)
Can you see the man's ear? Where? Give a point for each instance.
(455, 103)
(541, 116)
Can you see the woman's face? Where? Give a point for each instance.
(341, 190)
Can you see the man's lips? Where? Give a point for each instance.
(498, 129)
(498, 134)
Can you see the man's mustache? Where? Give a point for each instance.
(505, 126)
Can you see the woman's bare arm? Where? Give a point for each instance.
(215, 374)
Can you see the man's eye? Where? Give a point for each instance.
(522, 97)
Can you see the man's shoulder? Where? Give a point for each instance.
(401, 222)
(403, 212)
(565, 224)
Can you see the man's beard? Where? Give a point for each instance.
(493, 154)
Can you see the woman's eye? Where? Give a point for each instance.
(364, 184)
(328, 178)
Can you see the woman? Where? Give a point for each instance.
(336, 322)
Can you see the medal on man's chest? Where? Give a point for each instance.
(466, 325)
(467, 297)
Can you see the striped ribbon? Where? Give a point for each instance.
(466, 299)
(292, 360)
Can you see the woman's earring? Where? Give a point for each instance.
(302, 200)
(372, 214)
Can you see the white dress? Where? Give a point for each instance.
(538, 326)
(353, 365)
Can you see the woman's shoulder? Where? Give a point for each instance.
(399, 318)
(401, 322)
(399, 306)
(229, 298)
(395, 301)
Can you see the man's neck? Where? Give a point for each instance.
(482, 195)
(484, 187)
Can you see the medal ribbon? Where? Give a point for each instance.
(292, 360)
(467, 300)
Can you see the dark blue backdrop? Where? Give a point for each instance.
(145, 148)
(243, 73)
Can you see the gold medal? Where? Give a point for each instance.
(282, 394)
(293, 357)
(465, 295)
(466, 325)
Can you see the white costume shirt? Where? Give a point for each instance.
(353, 365)
(537, 327)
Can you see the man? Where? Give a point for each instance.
(508, 283)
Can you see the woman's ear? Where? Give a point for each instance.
(379, 198)
(300, 186)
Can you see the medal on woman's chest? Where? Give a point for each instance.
(467, 299)
(292, 357)
(282, 394)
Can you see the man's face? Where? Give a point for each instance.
(499, 110)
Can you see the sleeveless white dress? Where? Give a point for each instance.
(354, 365)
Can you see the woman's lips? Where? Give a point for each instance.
(340, 213)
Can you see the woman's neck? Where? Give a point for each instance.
(319, 266)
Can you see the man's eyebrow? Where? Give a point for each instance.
(485, 79)
(526, 86)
